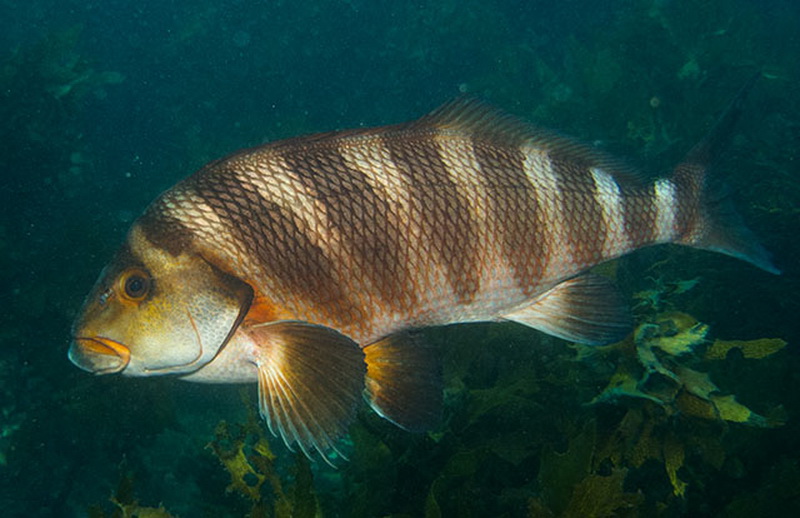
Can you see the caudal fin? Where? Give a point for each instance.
(718, 226)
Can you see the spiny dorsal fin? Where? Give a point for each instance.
(404, 381)
(480, 120)
(310, 381)
(586, 309)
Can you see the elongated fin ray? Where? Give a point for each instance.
(587, 309)
(404, 381)
(310, 380)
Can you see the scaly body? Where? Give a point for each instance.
(358, 237)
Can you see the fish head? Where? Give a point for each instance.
(157, 311)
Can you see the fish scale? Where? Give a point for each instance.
(558, 226)
(307, 265)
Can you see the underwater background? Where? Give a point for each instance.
(103, 105)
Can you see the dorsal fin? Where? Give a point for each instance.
(477, 118)
(482, 121)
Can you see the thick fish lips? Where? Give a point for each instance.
(99, 355)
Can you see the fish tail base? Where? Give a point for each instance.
(715, 224)
(721, 229)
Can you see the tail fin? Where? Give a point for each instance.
(718, 226)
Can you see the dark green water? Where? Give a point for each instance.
(105, 104)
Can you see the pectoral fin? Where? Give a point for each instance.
(587, 309)
(404, 381)
(310, 381)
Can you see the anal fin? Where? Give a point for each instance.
(404, 381)
(310, 381)
(588, 309)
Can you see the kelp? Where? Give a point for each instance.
(662, 379)
(248, 471)
(125, 504)
(753, 349)
(660, 373)
(571, 487)
(600, 496)
(245, 452)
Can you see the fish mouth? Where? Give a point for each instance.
(99, 355)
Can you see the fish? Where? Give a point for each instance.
(310, 265)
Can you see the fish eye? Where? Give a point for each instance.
(135, 284)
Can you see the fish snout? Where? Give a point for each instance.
(99, 355)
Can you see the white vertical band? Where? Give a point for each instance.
(665, 201)
(609, 197)
(539, 171)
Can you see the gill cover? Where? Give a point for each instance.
(153, 312)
